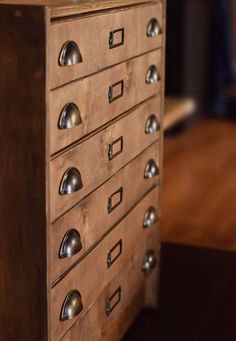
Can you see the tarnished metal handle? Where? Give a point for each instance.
(151, 170)
(72, 306)
(152, 125)
(153, 75)
(71, 244)
(71, 182)
(150, 218)
(70, 54)
(149, 262)
(153, 28)
(70, 117)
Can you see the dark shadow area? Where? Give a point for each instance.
(198, 297)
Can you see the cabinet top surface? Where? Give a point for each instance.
(63, 8)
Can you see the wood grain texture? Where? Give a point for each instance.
(95, 317)
(129, 231)
(91, 96)
(177, 109)
(95, 325)
(83, 217)
(131, 281)
(23, 281)
(63, 8)
(200, 187)
(92, 161)
(91, 34)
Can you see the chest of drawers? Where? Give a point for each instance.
(81, 86)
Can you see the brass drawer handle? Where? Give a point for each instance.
(115, 200)
(116, 91)
(150, 218)
(152, 125)
(116, 38)
(69, 117)
(114, 253)
(70, 54)
(149, 262)
(153, 28)
(72, 306)
(71, 182)
(153, 75)
(115, 148)
(151, 170)
(113, 301)
(71, 244)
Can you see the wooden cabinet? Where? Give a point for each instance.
(81, 112)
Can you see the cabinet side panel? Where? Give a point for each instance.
(23, 286)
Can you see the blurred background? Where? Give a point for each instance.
(198, 267)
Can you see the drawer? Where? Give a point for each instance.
(85, 45)
(119, 303)
(79, 171)
(82, 285)
(80, 226)
(83, 106)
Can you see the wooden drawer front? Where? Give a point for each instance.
(90, 44)
(90, 95)
(125, 294)
(98, 158)
(100, 266)
(110, 202)
(129, 286)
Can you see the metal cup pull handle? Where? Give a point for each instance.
(150, 218)
(69, 117)
(72, 306)
(71, 182)
(71, 244)
(70, 54)
(153, 28)
(149, 262)
(152, 75)
(152, 125)
(151, 170)
(113, 301)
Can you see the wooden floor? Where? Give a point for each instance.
(198, 268)
(199, 197)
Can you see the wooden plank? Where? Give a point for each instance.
(177, 109)
(119, 243)
(91, 158)
(83, 217)
(131, 281)
(23, 280)
(200, 187)
(64, 8)
(97, 54)
(135, 91)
